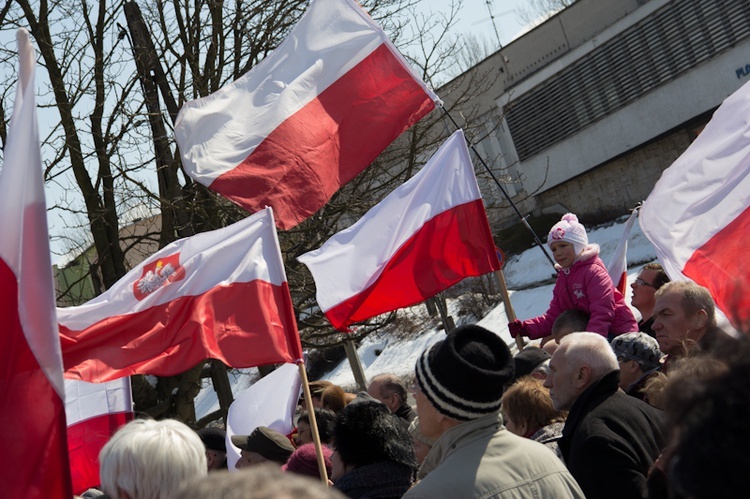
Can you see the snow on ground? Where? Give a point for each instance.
(240, 379)
(529, 295)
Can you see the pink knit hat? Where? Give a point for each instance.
(303, 461)
(569, 230)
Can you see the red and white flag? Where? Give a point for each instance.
(94, 412)
(221, 294)
(698, 215)
(617, 268)
(307, 119)
(34, 461)
(425, 236)
(270, 401)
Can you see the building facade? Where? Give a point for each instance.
(592, 105)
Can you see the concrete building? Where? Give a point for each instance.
(80, 279)
(591, 106)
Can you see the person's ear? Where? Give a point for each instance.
(700, 319)
(632, 366)
(583, 376)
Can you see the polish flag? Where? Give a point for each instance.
(271, 401)
(698, 215)
(221, 294)
(307, 119)
(617, 268)
(425, 236)
(94, 412)
(34, 461)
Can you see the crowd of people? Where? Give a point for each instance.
(605, 406)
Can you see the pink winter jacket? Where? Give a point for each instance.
(586, 286)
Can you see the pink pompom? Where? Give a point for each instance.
(570, 217)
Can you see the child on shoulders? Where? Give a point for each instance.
(582, 283)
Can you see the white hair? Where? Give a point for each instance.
(592, 350)
(149, 459)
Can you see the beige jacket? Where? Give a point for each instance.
(482, 459)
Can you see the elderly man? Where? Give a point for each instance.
(649, 280)
(215, 441)
(610, 440)
(639, 357)
(684, 319)
(389, 389)
(147, 458)
(458, 392)
(263, 445)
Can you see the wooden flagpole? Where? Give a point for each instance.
(509, 312)
(313, 423)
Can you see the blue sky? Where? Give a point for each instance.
(474, 17)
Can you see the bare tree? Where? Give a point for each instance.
(113, 90)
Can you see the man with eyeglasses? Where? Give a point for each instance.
(650, 279)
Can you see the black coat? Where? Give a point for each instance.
(611, 440)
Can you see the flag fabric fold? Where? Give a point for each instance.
(270, 401)
(94, 412)
(307, 119)
(34, 460)
(698, 214)
(221, 294)
(617, 268)
(425, 236)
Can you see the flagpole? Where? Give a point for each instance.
(509, 312)
(502, 189)
(313, 423)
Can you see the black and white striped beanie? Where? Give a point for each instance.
(463, 376)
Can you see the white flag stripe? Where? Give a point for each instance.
(238, 251)
(417, 197)
(710, 180)
(338, 32)
(270, 402)
(618, 262)
(88, 400)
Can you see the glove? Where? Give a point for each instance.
(516, 328)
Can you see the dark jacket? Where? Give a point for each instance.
(406, 413)
(638, 388)
(611, 440)
(645, 327)
(383, 480)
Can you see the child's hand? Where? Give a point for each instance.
(516, 328)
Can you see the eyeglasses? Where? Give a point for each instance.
(641, 282)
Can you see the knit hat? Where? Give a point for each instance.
(463, 376)
(303, 461)
(267, 442)
(529, 359)
(213, 438)
(416, 433)
(569, 230)
(639, 347)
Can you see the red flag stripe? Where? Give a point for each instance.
(85, 441)
(714, 266)
(243, 324)
(329, 141)
(451, 246)
(34, 458)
